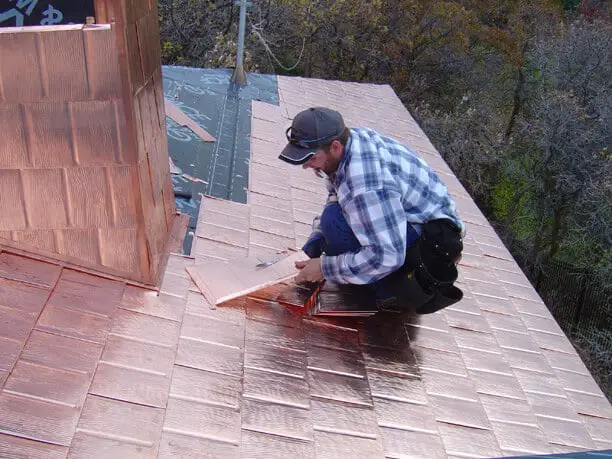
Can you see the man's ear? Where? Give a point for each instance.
(337, 146)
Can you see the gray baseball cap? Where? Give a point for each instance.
(309, 130)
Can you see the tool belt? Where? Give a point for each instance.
(424, 284)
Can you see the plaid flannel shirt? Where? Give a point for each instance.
(381, 187)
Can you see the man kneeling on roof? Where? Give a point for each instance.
(389, 221)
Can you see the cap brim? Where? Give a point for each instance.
(297, 155)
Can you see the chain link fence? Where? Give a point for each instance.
(578, 298)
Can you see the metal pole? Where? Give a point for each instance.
(239, 76)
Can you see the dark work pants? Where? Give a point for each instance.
(339, 238)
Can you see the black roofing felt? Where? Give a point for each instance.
(220, 168)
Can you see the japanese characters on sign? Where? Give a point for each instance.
(18, 13)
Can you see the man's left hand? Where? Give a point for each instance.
(310, 271)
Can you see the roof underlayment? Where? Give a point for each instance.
(93, 367)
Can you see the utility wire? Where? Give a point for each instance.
(269, 51)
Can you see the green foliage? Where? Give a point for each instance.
(571, 5)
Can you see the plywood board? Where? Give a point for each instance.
(221, 281)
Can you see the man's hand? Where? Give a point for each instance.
(310, 271)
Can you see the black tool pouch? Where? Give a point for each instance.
(430, 270)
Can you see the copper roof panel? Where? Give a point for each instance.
(408, 443)
(258, 199)
(341, 388)
(472, 339)
(496, 384)
(205, 387)
(553, 342)
(38, 420)
(577, 382)
(11, 446)
(512, 341)
(598, 428)
(208, 356)
(441, 340)
(15, 324)
(590, 404)
(10, 352)
(508, 410)
(74, 324)
(444, 362)
(548, 405)
(400, 362)
(67, 388)
(542, 383)
(59, 352)
(275, 213)
(275, 388)
(397, 387)
(177, 445)
(565, 432)
(138, 354)
(232, 312)
(271, 311)
(216, 331)
(173, 284)
(467, 326)
(454, 410)
(152, 303)
(275, 335)
(525, 438)
(256, 445)
(194, 418)
(348, 419)
(336, 361)
(526, 360)
(269, 241)
(333, 445)
(485, 361)
(275, 359)
(273, 418)
(145, 327)
(404, 415)
(387, 331)
(118, 429)
(86, 445)
(469, 441)
(27, 270)
(321, 335)
(84, 292)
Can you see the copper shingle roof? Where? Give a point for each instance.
(94, 367)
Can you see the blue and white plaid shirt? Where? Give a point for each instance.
(381, 186)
